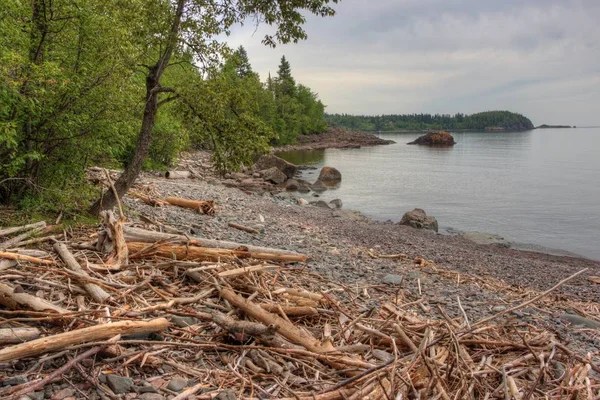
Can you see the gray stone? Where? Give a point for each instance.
(303, 188)
(392, 279)
(319, 186)
(320, 203)
(36, 396)
(274, 175)
(269, 161)
(336, 203)
(419, 220)
(183, 322)
(14, 380)
(177, 384)
(151, 396)
(291, 185)
(119, 384)
(330, 175)
(498, 308)
(145, 387)
(226, 395)
(256, 175)
(575, 319)
(24, 398)
(238, 176)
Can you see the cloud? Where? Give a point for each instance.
(538, 57)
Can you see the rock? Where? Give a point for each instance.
(15, 380)
(302, 202)
(238, 176)
(318, 186)
(145, 387)
(291, 185)
(184, 322)
(62, 394)
(151, 396)
(303, 188)
(330, 175)
(435, 138)
(226, 395)
(36, 395)
(177, 384)
(575, 319)
(274, 175)
(336, 203)
(269, 161)
(256, 175)
(419, 220)
(498, 309)
(392, 279)
(320, 203)
(118, 384)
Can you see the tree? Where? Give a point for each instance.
(242, 64)
(286, 85)
(192, 25)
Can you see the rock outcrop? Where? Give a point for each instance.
(435, 138)
(330, 176)
(419, 220)
(269, 161)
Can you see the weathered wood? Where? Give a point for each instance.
(17, 239)
(16, 229)
(181, 252)
(17, 300)
(18, 335)
(243, 228)
(246, 270)
(95, 291)
(177, 174)
(90, 334)
(119, 254)
(24, 257)
(5, 264)
(142, 235)
(202, 206)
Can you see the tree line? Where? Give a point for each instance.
(132, 83)
(504, 120)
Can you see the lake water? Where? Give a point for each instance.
(539, 187)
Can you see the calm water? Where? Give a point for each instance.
(540, 187)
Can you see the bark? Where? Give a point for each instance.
(202, 206)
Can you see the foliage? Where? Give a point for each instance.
(506, 120)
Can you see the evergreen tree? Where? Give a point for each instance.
(285, 81)
(243, 67)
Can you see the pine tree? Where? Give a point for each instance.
(243, 67)
(285, 81)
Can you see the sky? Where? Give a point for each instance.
(540, 58)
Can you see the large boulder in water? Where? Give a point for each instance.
(435, 138)
(269, 161)
(330, 175)
(419, 220)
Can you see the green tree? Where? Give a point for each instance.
(286, 85)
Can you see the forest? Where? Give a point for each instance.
(489, 120)
(131, 84)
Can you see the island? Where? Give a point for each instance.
(545, 126)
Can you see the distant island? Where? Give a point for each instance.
(489, 121)
(544, 126)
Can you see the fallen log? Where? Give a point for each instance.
(5, 264)
(24, 257)
(16, 229)
(90, 334)
(18, 335)
(177, 174)
(17, 239)
(202, 206)
(142, 235)
(95, 291)
(243, 228)
(15, 300)
(180, 252)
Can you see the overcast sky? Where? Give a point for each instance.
(537, 57)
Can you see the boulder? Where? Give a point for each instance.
(435, 138)
(419, 220)
(269, 161)
(318, 186)
(320, 203)
(330, 175)
(336, 203)
(291, 185)
(274, 175)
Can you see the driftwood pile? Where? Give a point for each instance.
(241, 320)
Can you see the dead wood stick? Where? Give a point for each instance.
(17, 239)
(246, 270)
(202, 206)
(120, 253)
(536, 298)
(23, 257)
(16, 229)
(243, 228)
(143, 235)
(15, 300)
(33, 386)
(404, 337)
(78, 336)
(36, 240)
(177, 174)
(289, 310)
(95, 291)
(18, 335)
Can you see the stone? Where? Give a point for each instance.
(274, 175)
(183, 322)
(62, 394)
(320, 203)
(145, 387)
(435, 138)
(256, 175)
(119, 384)
(419, 220)
(15, 380)
(238, 176)
(226, 395)
(330, 175)
(575, 319)
(318, 186)
(291, 185)
(498, 309)
(302, 202)
(151, 396)
(177, 384)
(269, 161)
(392, 279)
(36, 395)
(336, 203)
(303, 188)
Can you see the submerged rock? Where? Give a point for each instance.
(419, 220)
(318, 186)
(269, 161)
(435, 138)
(336, 203)
(330, 175)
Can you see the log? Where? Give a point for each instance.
(181, 252)
(24, 257)
(289, 310)
(17, 239)
(5, 264)
(90, 334)
(16, 229)
(18, 335)
(119, 254)
(15, 300)
(95, 291)
(143, 235)
(202, 206)
(177, 174)
(243, 228)
(245, 270)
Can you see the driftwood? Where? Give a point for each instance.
(18, 239)
(84, 335)
(119, 254)
(16, 299)
(142, 235)
(202, 206)
(16, 229)
(95, 291)
(181, 252)
(5, 264)
(177, 174)
(243, 228)
(18, 335)
(24, 257)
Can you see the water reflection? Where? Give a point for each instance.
(303, 157)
